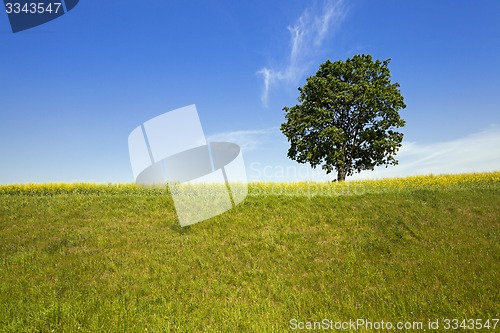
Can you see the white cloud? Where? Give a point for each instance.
(306, 36)
(247, 139)
(477, 152)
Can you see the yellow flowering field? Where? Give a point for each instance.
(358, 187)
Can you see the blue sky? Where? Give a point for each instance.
(73, 89)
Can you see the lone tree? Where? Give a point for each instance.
(346, 117)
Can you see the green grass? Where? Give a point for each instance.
(112, 258)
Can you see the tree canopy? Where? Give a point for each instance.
(347, 117)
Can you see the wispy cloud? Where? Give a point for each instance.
(247, 139)
(306, 37)
(476, 152)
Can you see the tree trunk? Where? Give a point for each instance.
(340, 175)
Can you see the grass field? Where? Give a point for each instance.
(112, 258)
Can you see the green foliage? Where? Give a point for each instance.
(346, 117)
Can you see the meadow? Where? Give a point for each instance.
(113, 258)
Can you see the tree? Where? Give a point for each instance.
(346, 117)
